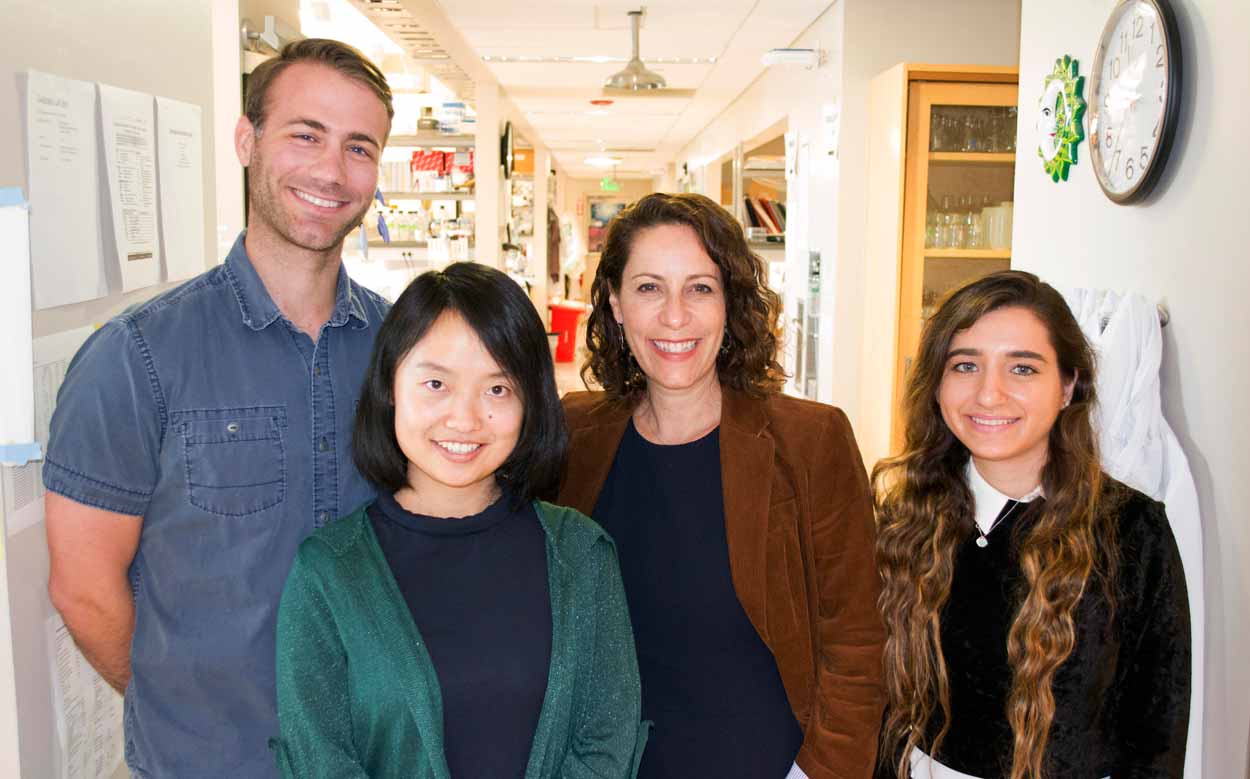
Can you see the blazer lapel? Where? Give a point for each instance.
(594, 448)
(746, 462)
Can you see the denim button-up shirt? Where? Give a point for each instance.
(228, 430)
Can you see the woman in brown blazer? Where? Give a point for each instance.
(742, 517)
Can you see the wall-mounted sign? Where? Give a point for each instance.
(1059, 114)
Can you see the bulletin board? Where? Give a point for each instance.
(162, 49)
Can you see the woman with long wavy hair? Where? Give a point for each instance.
(1036, 615)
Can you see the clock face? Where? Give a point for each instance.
(1134, 98)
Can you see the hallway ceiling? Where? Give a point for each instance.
(708, 50)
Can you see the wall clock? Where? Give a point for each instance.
(1135, 98)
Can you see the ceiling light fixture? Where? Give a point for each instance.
(603, 161)
(543, 59)
(635, 76)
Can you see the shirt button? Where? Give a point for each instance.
(316, 370)
(323, 444)
(323, 517)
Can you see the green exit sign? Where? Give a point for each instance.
(609, 184)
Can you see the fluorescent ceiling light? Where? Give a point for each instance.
(603, 161)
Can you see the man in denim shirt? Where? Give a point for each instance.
(200, 437)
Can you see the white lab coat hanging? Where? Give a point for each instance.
(1139, 448)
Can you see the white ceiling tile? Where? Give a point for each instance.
(554, 97)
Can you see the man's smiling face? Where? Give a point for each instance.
(313, 165)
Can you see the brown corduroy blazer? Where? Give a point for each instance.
(798, 519)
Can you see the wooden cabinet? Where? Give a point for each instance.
(941, 182)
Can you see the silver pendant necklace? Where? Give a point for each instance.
(983, 536)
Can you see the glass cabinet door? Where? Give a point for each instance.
(957, 212)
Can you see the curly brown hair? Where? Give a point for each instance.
(752, 310)
(924, 513)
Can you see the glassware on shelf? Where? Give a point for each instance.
(941, 130)
(975, 129)
(967, 222)
(974, 234)
(942, 224)
(972, 129)
(958, 238)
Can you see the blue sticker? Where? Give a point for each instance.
(20, 454)
(12, 196)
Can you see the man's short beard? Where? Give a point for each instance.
(262, 201)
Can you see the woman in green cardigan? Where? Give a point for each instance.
(456, 626)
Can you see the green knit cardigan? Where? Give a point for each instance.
(359, 697)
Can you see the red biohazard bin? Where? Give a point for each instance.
(564, 318)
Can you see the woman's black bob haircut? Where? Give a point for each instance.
(501, 314)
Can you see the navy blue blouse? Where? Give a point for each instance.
(477, 590)
(709, 682)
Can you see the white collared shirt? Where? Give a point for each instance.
(988, 500)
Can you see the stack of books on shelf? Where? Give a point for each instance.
(767, 214)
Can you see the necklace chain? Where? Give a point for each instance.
(983, 535)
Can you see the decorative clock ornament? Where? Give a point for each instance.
(1135, 95)
(1059, 114)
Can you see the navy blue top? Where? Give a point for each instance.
(209, 414)
(709, 682)
(477, 590)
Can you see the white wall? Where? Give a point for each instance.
(227, 106)
(1187, 248)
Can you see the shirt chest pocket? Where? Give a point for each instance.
(235, 458)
